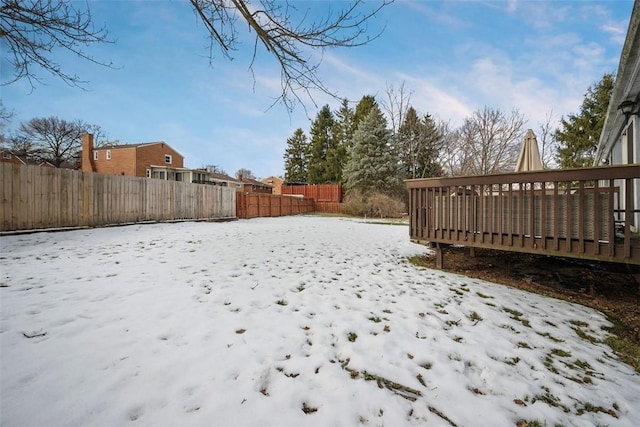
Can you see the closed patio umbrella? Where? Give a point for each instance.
(529, 159)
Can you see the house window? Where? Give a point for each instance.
(167, 159)
(95, 155)
(148, 173)
(6, 156)
(108, 154)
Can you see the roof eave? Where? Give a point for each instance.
(626, 87)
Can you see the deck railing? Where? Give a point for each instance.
(582, 213)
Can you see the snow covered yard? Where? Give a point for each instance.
(286, 321)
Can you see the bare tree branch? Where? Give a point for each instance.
(5, 115)
(548, 143)
(56, 140)
(396, 105)
(487, 142)
(290, 43)
(32, 29)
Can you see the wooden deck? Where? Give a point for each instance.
(581, 213)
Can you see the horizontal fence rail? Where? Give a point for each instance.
(254, 205)
(589, 213)
(36, 198)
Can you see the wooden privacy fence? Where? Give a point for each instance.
(253, 205)
(33, 198)
(589, 213)
(327, 197)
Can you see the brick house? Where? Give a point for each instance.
(275, 183)
(149, 160)
(7, 156)
(254, 186)
(128, 159)
(225, 181)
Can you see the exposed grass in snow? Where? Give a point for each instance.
(625, 349)
(292, 321)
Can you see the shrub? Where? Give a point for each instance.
(372, 205)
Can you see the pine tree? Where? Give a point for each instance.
(579, 134)
(418, 143)
(365, 105)
(337, 154)
(296, 157)
(321, 141)
(372, 167)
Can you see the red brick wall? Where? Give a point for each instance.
(86, 157)
(275, 183)
(153, 154)
(122, 162)
(135, 160)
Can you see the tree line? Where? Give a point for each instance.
(374, 147)
(59, 142)
(49, 139)
(364, 148)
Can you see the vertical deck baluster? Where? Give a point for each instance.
(596, 218)
(569, 213)
(473, 214)
(521, 230)
(482, 214)
(490, 216)
(628, 212)
(543, 215)
(556, 217)
(532, 215)
(581, 208)
(510, 214)
(501, 215)
(612, 224)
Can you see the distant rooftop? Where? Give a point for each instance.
(116, 146)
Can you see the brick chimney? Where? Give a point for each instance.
(87, 153)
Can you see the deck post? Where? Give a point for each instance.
(439, 256)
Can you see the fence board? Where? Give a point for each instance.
(317, 192)
(328, 207)
(253, 205)
(34, 197)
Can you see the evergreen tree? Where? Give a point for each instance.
(433, 140)
(337, 155)
(365, 105)
(372, 167)
(321, 141)
(296, 157)
(418, 143)
(579, 134)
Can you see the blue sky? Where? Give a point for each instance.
(454, 56)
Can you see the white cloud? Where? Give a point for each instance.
(617, 31)
(441, 17)
(430, 97)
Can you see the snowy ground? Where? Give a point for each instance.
(286, 321)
